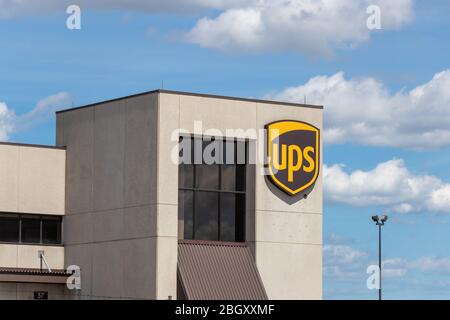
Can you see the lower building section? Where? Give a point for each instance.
(30, 291)
(37, 284)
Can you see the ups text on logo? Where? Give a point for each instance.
(293, 155)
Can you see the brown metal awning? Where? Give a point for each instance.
(210, 270)
(28, 275)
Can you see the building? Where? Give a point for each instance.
(110, 198)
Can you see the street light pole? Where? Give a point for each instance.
(379, 259)
(379, 222)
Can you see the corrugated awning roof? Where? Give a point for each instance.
(30, 275)
(209, 270)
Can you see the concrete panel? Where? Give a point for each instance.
(271, 112)
(287, 227)
(8, 255)
(81, 255)
(167, 221)
(268, 197)
(27, 256)
(25, 291)
(109, 155)
(166, 275)
(9, 178)
(140, 268)
(42, 174)
(140, 150)
(108, 269)
(108, 225)
(290, 271)
(78, 228)
(168, 123)
(60, 130)
(288, 231)
(8, 295)
(167, 224)
(139, 222)
(8, 291)
(79, 138)
(121, 208)
(217, 113)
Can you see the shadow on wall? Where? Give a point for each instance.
(285, 197)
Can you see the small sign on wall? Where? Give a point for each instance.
(40, 295)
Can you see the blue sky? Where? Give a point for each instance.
(127, 48)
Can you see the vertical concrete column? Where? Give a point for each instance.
(110, 229)
(167, 197)
(288, 231)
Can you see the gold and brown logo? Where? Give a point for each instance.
(293, 155)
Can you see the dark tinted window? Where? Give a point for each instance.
(228, 216)
(206, 216)
(186, 212)
(31, 230)
(207, 177)
(212, 190)
(9, 228)
(186, 171)
(207, 171)
(228, 177)
(51, 230)
(17, 228)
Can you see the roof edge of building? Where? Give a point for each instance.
(18, 144)
(203, 95)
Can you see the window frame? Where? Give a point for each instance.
(40, 217)
(220, 190)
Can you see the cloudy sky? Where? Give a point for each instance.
(386, 95)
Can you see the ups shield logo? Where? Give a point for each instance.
(292, 155)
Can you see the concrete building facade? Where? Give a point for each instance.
(112, 178)
(32, 184)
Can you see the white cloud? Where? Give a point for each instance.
(44, 109)
(6, 121)
(342, 254)
(363, 111)
(388, 184)
(432, 264)
(440, 198)
(17, 8)
(343, 261)
(393, 268)
(429, 264)
(306, 26)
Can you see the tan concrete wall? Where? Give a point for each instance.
(25, 291)
(26, 256)
(286, 238)
(110, 227)
(32, 179)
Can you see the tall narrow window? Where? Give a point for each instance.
(212, 189)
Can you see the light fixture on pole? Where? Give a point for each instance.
(379, 222)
